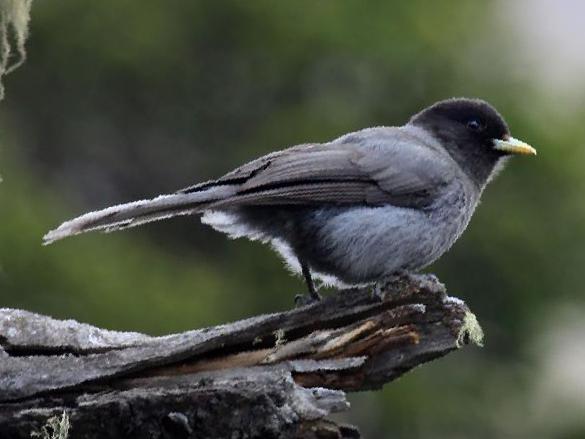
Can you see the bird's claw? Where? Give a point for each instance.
(383, 286)
(307, 299)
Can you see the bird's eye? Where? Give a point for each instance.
(474, 124)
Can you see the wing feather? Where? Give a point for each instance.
(394, 168)
(373, 166)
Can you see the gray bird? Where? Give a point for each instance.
(366, 205)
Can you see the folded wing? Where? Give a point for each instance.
(374, 167)
(392, 168)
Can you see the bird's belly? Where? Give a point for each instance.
(352, 245)
(362, 244)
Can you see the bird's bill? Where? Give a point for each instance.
(514, 146)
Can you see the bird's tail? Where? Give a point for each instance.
(138, 212)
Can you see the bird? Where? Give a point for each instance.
(351, 211)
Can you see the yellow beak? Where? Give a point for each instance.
(514, 146)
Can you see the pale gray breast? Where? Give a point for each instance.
(449, 216)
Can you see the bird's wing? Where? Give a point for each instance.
(375, 166)
(392, 167)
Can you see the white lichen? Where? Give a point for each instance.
(470, 331)
(14, 19)
(453, 301)
(279, 336)
(56, 427)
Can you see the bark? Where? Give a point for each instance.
(275, 375)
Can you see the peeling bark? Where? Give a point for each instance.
(275, 375)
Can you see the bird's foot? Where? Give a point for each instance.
(387, 284)
(307, 299)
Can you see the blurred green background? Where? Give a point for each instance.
(122, 100)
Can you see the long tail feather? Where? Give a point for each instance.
(136, 213)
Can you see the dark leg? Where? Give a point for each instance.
(309, 280)
(313, 295)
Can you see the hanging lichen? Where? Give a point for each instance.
(14, 18)
(470, 331)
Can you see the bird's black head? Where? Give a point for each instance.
(473, 133)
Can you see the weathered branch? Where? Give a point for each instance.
(276, 375)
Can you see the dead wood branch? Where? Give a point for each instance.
(276, 375)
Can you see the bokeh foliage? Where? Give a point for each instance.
(121, 100)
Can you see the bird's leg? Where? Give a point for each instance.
(314, 296)
(309, 280)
